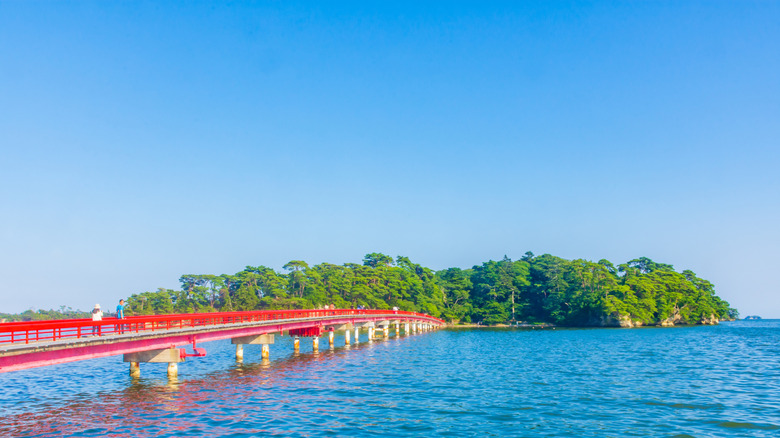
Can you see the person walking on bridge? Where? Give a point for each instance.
(97, 315)
(120, 314)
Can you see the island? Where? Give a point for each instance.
(541, 289)
(535, 291)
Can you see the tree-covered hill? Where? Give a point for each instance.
(534, 289)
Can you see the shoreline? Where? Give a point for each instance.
(522, 325)
(544, 325)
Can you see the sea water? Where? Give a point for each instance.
(699, 381)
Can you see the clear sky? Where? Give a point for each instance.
(140, 141)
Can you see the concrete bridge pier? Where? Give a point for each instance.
(297, 344)
(331, 339)
(316, 343)
(167, 355)
(346, 337)
(265, 340)
(397, 329)
(384, 327)
(357, 335)
(370, 334)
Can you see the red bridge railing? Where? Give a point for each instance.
(36, 331)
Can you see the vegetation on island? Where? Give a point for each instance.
(542, 288)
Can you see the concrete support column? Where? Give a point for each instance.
(316, 343)
(331, 339)
(265, 340)
(135, 369)
(397, 330)
(296, 344)
(370, 334)
(386, 331)
(171, 356)
(173, 369)
(346, 337)
(357, 335)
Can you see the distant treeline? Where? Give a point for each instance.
(534, 289)
(45, 315)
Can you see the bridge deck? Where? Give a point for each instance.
(41, 343)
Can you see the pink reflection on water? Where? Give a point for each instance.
(254, 399)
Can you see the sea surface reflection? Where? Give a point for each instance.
(693, 381)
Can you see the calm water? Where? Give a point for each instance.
(696, 381)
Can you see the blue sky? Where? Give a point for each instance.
(145, 140)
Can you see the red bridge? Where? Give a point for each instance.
(156, 338)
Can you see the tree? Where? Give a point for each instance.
(297, 278)
(376, 259)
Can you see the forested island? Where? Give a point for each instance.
(535, 289)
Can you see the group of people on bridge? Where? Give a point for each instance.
(97, 315)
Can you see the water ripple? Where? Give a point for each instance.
(695, 381)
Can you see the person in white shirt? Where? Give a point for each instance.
(97, 315)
